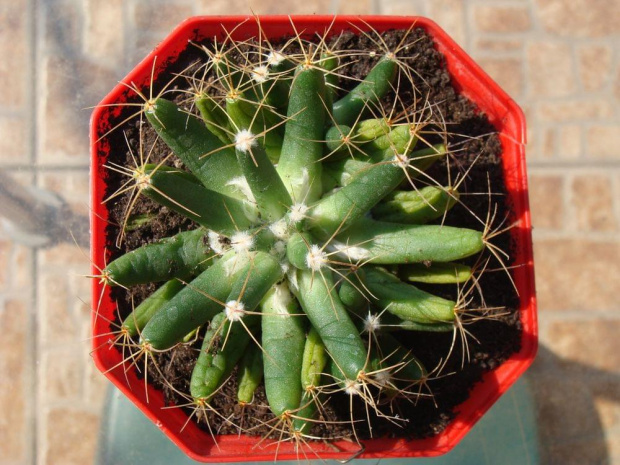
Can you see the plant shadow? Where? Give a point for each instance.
(572, 408)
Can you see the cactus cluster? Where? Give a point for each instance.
(312, 206)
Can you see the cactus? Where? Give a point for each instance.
(311, 215)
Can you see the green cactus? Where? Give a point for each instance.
(304, 222)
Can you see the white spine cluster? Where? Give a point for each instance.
(143, 180)
(352, 387)
(298, 212)
(383, 378)
(401, 160)
(372, 323)
(316, 258)
(285, 266)
(260, 74)
(274, 58)
(280, 229)
(217, 58)
(279, 249)
(349, 251)
(150, 107)
(235, 310)
(242, 241)
(245, 140)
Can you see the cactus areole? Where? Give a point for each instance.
(307, 229)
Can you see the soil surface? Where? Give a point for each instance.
(470, 136)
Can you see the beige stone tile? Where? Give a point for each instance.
(507, 72)
(617, 84)
(616, 192)
(66, 255)
(603, 141)
(62, 136)
(531, 129)
(71, 437)
(80, 287)
(82, 305)
(69, 85)
(13, 391)
(62, 374)
(95, 384)
(14, 139)
(499, 45)
(571, 274)
(609, 409)
(143, 44)
(103, 31)
(576, 110)
(528, 110)
(21, 267)
(14, 49)
(605, 387)
(547, 201)
(613, 447)
(593, 343)
(403, 7)
(265, 7)
(540, 141)
(592, 203)
(5, 256)
(15, 266)
(579, 18)
(71, 186)
(55, 181)
(57, 325)
(60, 26)
(361, 7)
(594, 66)
(502, 18)
(570, 139)
(550, 67)
(450, 15)
(161, 17)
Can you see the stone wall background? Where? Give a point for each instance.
(559, 59)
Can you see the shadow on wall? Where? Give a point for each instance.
(73, 80)
(572, 409)
(39, 218)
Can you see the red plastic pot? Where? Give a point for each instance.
(473, 83)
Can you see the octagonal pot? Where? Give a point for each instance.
(468, 79)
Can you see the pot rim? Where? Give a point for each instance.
(471, 81)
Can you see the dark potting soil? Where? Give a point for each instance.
(491, 339)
